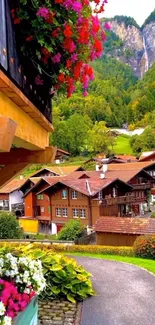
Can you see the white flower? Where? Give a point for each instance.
(2, 308)
(27, 290)
(7, 320)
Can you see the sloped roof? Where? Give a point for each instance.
(146, 155)
(126, 157)
(88, 187)
(131, 166)
(12, 186)
(58, 170)
(138, 226)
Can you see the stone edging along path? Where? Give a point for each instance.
(59, 312)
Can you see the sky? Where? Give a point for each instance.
(138, 9)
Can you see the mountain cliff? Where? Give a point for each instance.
(132, 44)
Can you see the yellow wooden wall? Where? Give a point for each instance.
(29, 225)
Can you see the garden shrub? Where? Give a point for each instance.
(9, 226)
(153, 215)
(144, 246)
(64, 278)
(72, 230)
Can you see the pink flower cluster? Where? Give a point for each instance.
(13, 300)
(72, 36)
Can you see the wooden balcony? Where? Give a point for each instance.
(142, 186)
(19, 69)
(122, 200)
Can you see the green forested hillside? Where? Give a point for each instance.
(141, 108)
(116, 97)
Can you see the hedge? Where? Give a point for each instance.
(94, 249)
(144, 246)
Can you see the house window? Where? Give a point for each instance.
(49, 209)
(64, 212)
(114, 192)
(6, 203)
(75, 213)
(74, 195)
(58, 212)
(1, 203)
(82, 213)
(42, 209)
(64, 194)
(40, 196)
(100, 196)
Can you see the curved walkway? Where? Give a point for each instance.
(125, 294)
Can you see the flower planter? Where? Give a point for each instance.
(30, 315)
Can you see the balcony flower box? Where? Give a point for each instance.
(30, 315)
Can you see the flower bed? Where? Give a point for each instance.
(61, 37)
(64, 277)
(21, 278)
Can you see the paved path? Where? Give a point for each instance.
(125, 294)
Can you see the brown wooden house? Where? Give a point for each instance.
(122, 231)
(55, 200)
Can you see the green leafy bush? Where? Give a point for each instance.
(153, 215)
(64, 278)
(72, 230)
(144, 246)
(9, 226)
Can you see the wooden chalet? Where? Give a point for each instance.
(25, 108)
(122, 231)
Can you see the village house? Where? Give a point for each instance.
(122, 231)
(55, 200)
(11, 197)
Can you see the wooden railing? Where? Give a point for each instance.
(141, 186)
(21, 70)
(122, 200)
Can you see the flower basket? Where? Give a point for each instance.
(30, 315)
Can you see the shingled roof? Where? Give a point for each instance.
(137, 226)
(12, 186)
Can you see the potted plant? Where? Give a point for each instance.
(21, 280)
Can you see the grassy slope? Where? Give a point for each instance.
(122, 146)
(149, 265)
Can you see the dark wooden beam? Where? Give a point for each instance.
(24, 156)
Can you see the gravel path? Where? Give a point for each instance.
(125, 294)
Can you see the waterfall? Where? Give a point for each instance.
(146, 67)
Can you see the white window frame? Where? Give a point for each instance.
(64, 197)
(40, 196)
(100, 196)
(65, 212)
(75, 213)
(58, 212)
(74, 195)
(42, 209)
(82, 213)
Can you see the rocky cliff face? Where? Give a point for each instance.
(138, 46)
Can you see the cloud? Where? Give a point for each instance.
(137, 9)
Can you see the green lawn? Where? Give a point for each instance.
(122, 146)
(149, 265)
